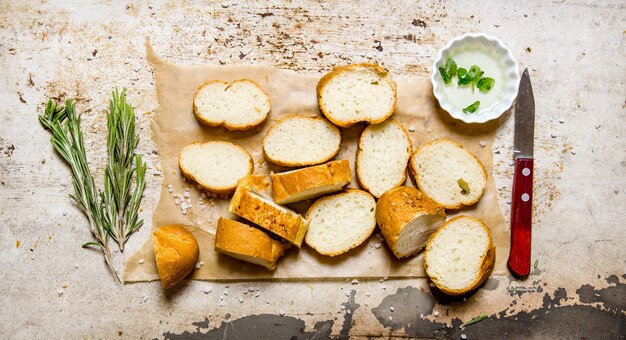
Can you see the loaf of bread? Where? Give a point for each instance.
(298, 185)
(246, 243)
(357, 93)
(176, 252)
(449, 174)
(241, 105)
(216, 166)
(270, 216)
(382, 156)
(301, 141)
(407, 218)
(341, 222)
(460, 255)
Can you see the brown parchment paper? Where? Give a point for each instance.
(174, 126)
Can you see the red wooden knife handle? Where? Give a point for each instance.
(521, 217)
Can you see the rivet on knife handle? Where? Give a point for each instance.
(521, 217)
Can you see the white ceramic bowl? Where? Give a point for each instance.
(511, 73)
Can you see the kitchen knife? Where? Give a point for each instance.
(522, 196)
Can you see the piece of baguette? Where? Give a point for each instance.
(268, 215)
(341, 222)
(460, 255)
(246, 243)
(382, 156)
(176, 252)
(357, 93)
(407, 218)
(241, 105)
(298, 185)
(216, 166)
(449, 174)
(301, 141)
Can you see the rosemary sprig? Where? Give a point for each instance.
(120, 204)
(67, 139)
(475, 320)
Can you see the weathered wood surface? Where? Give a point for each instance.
(73, 49)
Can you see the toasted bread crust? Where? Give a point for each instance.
(225, 124)
(487, 261)
(232, 237)
(297, 164)
(286, 185)
(359, 150)
(397, 207)
(205, 186)
(355, 244)
(339, 69)
(176, 251)
(415, 177)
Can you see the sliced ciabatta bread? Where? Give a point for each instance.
(298, 185)
(357, 93)
(460, 255)
(448, 173)
(341, 222)
(407, 218)
(246, 243)
(217, 166)
(301, 141)
(382, 155)
(241, 105)
(268, 215)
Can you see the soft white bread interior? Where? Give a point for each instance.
(407, 218)
(341, 222)
(460, 255)
(238, 106)
(176, 252)
(268, 215)
(217, 166)
(357, 93)
(246, 243)
(382, 156)
(448, 173)
(298, 185)
(301, 141)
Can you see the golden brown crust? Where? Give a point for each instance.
(487, 262)
(286, 185)
(339, 69)
(397, 207)
(225, 124)
(355, 244)
(217, 190)
(360, 147)
(286, 224)
(176, 251)
(290, 164)
(415, 177)
(236, 238)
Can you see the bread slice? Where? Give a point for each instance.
(341, 222)
(241, 105)
(382, 156)
(301, 141)
(298, 185)
(460, 255)
(449, 174)
(407, 218)
(246, 243)
(217, 166)
(176, 252)
(268, 215)
(357, 93)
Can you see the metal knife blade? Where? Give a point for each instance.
(524, 119)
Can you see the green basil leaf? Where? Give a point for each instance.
(444, 74)
(464, 78)
(451, 67)
(472, 108)
(485, 84)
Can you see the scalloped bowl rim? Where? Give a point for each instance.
(511, 72)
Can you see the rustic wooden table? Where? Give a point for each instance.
(73, 49)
